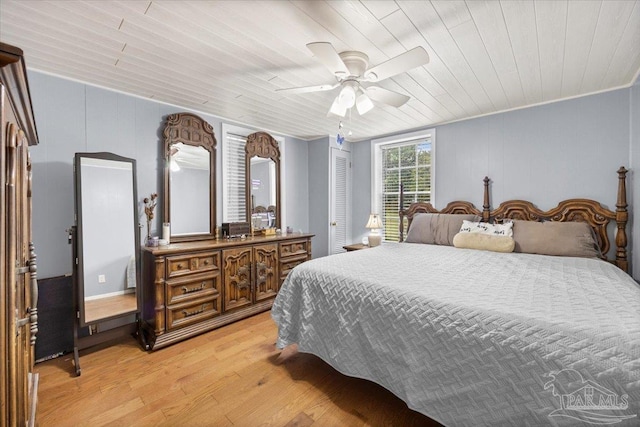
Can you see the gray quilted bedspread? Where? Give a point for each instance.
(472, 338)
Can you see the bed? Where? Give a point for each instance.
(473, 337)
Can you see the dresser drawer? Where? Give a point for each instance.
(294, 248)
(180, 315)
(287, 265)
(192, 263)
(192, 287)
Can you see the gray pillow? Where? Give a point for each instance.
(436, 229)
(555, 238)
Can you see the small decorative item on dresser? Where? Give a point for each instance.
(149, 207)
(166, 232)
(374, 224)
(235, 229)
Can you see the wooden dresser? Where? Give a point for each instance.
(193, 287)
(18, 287)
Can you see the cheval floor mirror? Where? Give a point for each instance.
(106, 247)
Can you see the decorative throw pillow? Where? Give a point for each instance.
(484, 242)
(505, 229)
(436, 229)
(555, 238)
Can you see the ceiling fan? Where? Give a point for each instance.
(351, 71)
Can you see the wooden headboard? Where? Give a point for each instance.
(586, 210)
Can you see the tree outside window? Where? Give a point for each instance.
(408, 164)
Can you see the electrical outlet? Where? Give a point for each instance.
(102, 278)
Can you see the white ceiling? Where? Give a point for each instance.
(227, 58)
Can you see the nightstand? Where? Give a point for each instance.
(355, 247)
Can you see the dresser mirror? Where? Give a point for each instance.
(262, 166)
(106, 274)
(189, 177)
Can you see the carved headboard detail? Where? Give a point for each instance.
(584, 210)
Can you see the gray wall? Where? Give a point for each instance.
(319, 195)
(73, 117)
(633, 185)
(544, 154)
(361, 190)
(296, 184)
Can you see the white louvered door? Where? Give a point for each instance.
(340, 201)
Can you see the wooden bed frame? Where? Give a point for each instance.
(586, 210)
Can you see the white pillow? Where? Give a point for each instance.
(505, 229)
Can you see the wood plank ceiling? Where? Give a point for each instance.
(227, 58)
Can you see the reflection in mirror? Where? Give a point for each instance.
(107, 237)
(263, 193)
(189, 195)
(262, 181)
(189, 181)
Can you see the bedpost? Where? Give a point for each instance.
(401, 213)
(621, 220)
(486, 207)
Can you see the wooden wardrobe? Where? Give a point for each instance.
(18, 286)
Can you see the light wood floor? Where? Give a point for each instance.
(230, 376)
(110, 306)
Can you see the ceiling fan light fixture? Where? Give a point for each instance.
(347, 97)
(337, 108)
(363, 104)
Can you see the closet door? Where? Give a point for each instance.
(340, 201)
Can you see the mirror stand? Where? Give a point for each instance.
(106, 251)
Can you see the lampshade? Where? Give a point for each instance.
(374, 222)
(347, 96)
(338, 109)
(363, 104)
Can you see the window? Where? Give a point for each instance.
(234, 178)
(406, 160)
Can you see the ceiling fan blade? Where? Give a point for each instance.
(329, 57)
(399, 64)
(386, 96)
(306, 89)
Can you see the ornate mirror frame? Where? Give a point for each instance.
(191, 130)
(261, 144)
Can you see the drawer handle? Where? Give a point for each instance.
(193, 313)
(179, 266)
(206, 262)
(186, 290)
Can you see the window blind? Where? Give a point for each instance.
(409, 164)
(235, 178)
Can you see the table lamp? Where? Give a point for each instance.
(374, 224)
